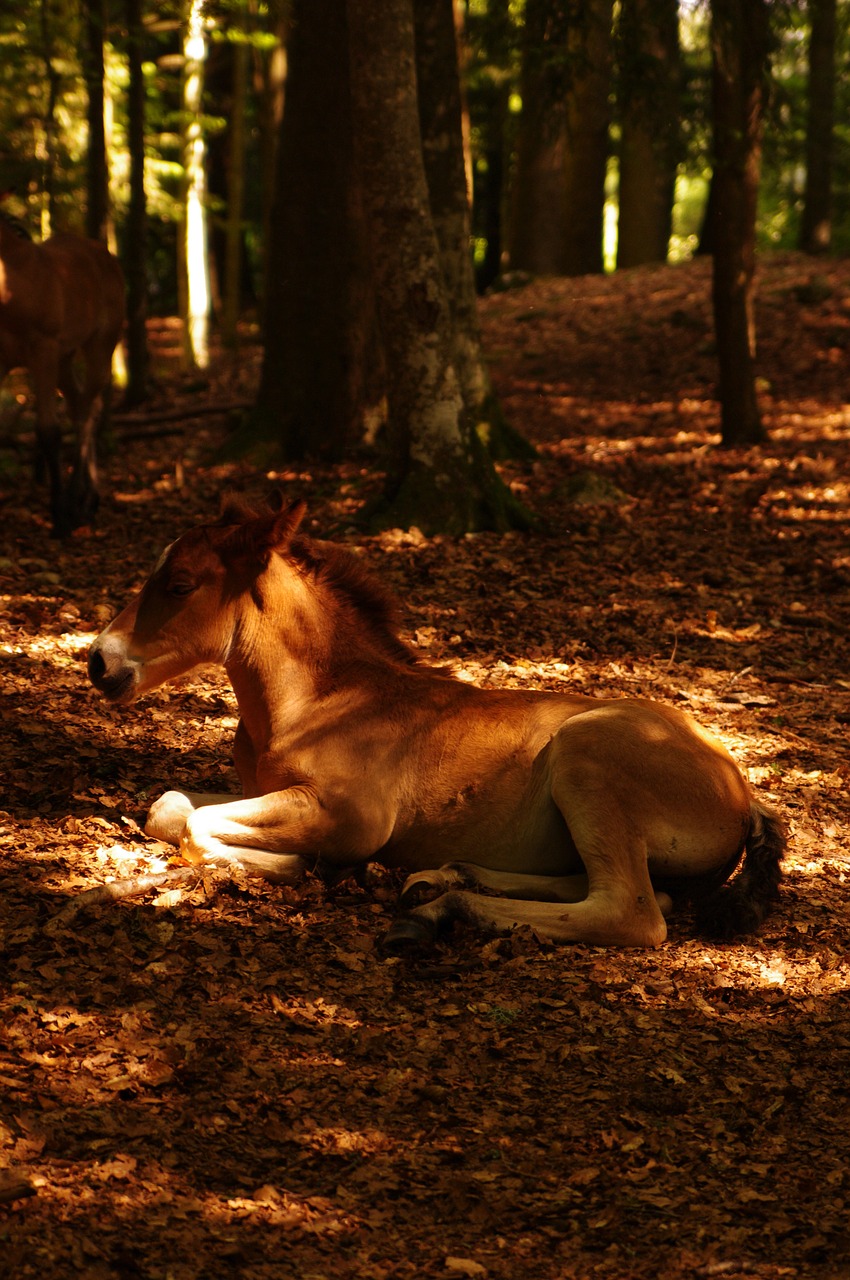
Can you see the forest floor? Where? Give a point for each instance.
(230, 1079)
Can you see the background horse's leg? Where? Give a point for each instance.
(44, 366)
(85, 405)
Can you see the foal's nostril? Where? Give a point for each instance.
(97, 667)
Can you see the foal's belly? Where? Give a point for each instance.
(529, 836)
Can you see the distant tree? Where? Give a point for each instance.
(588, 121)
(439, 475)
(538, 218)
(49, 120)
(237, 135)
(136, 224)
(562, 150)
(489, 82)
(649, 102)
(97, 184)
(195, 290)
(816, 226)
(269, 61)
(739, 43)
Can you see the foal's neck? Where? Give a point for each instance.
(296, 643)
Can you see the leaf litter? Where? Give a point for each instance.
(220, 1078)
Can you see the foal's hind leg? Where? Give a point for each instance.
(424, 885)
(587, 922)
(621, 907)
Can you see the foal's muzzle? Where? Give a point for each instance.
(111, 672)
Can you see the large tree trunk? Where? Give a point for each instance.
(136, 259)
(440, 119)
(439, 476)
(319, 309)
(739, 41)
(649, 109)
(816, 226)
(588, 119)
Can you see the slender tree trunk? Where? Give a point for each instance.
(235, 194)
(440, 120)
(136, 229)
(649, 108)
(320, 357)
(739, 39)
(197, 295)
(494, 89)
(48, 158)
(539, 221)
(97, 175)
(439, 475)
(705, 245)
(588, 120)
(816, 226)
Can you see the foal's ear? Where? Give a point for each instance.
(286, 525)
(258, 536)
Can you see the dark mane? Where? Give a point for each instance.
(340, 571)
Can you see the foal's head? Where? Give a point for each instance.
(187, 611)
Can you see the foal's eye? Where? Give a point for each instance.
(180, 587)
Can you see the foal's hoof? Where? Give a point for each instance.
(168, 817)
(420, 888)
(409, 933)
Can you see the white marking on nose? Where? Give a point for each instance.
(162, 559)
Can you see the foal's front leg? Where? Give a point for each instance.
(277, 836)
(169, 814)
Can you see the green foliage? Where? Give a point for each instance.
(35, 36)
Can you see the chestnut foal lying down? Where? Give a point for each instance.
(591, 814)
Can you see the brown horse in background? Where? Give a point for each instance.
(591, 813)
(61, 316)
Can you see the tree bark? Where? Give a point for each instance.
(588, 120)
(739, 40)
(816, 226)
(440, 120)
(562, 152)
(538, 218)
(649, 109)
(136, 260)
(320, 358)
(439, 475)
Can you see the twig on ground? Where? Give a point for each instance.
(115, 890)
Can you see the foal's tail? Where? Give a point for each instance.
(741, 906)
